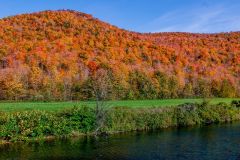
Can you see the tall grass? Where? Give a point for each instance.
(127, 119)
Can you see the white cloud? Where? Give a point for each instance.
(203, 20)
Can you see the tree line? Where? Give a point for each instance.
(138, 85)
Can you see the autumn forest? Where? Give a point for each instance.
(54, 55)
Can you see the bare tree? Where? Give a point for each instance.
(101, 87)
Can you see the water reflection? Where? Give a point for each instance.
(211, 142)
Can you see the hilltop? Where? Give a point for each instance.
(50, 55)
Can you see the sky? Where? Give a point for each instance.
(197, 16)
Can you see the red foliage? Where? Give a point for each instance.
(92, 66)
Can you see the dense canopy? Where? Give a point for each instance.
(52, 55)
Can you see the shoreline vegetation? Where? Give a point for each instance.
(38, 125)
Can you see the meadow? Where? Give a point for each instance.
(56, 106)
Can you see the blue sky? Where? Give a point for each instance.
(204, 16)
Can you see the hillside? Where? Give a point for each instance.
(50, 56)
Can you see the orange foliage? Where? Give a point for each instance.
(56, 44)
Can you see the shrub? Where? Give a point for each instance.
(36, 124)
(236, 103)
(79, 118)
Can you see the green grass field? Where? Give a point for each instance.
(53, 106)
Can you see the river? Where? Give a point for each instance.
(209, 142)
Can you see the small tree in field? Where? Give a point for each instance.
(101, 86)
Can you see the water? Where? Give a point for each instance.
(211, 142)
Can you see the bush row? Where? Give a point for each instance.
(25, 125)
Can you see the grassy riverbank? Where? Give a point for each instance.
(28, 125)
(56, 106)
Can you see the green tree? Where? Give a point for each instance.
(163, 81)
(188, 90)
(227, 89)
(202, 89)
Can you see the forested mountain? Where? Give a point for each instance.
(51, 55)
